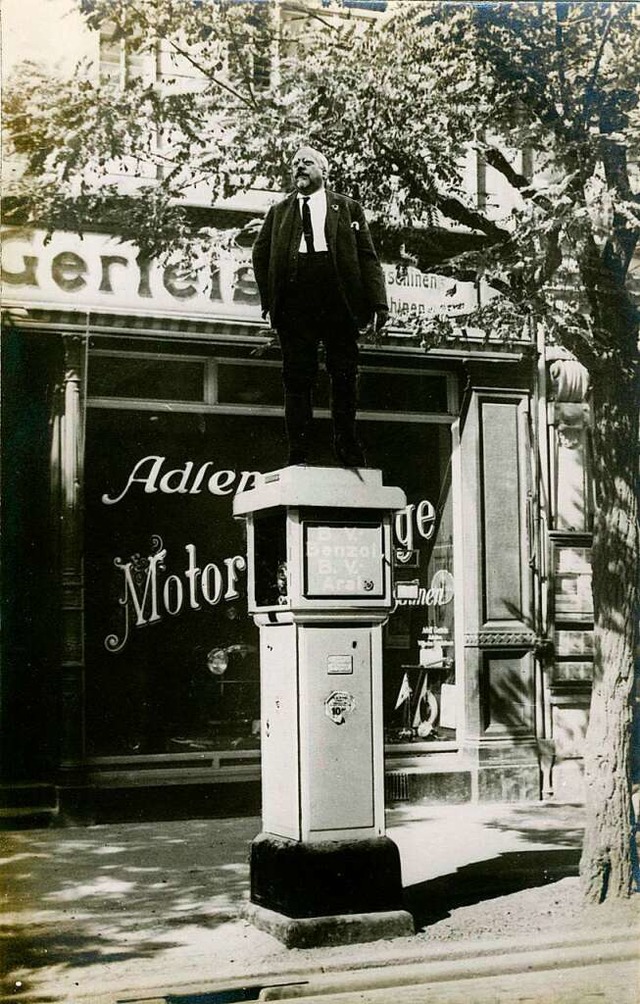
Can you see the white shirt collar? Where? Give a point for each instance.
(315, 196)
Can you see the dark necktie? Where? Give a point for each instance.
(307, 228)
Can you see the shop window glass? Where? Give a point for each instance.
(419, 655)
(402, 392)
(242, 383)
(172, 655)
(157, 379)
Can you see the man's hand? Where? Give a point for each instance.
(380, 318)
(376, 323)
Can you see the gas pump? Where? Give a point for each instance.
(319, 543)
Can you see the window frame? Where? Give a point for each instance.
(396, 755)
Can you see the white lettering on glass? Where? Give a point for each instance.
(415, 519)
(147, 595)
(186, 480)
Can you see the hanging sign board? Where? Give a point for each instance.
(101, 273)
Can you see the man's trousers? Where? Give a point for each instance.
(313, 312)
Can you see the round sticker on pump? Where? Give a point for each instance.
(338, 705)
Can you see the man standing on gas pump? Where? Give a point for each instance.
(320, 281)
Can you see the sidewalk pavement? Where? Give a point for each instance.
(150, 911)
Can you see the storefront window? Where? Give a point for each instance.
(153, 378)
(419, 654)
(418, 392)
(172, 654)
(234, 387)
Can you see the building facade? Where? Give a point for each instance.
(137, 401)
(136, 405)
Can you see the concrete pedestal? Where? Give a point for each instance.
(337, 929)
(333, 892)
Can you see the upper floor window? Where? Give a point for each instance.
(120, 60)
(245, 58)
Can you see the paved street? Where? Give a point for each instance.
(150, 912)
(611, 970)
(611, 983)
(614, 982)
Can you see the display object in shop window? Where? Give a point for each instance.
(224, 699)
(429, 699)
(320, 283)
(281, 583)
(419, 710)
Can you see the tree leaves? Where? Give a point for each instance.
(398, 105)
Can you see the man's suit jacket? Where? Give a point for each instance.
(358, 272)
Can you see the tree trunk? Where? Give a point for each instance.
(606, 866)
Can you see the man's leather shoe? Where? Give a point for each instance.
(350, 454)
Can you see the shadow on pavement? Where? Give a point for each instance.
(434, 900)
(543, 824)
(102, 896)
(217, 997)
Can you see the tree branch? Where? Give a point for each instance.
(531, 90)
(436, 250)
(496, 159)
(590, 88)
(560, 47)
(211, 76)
(190, 59)
(448, 206)
(245, 75)
(307, 14)
(456, 210)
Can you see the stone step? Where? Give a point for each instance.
(27, 806)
